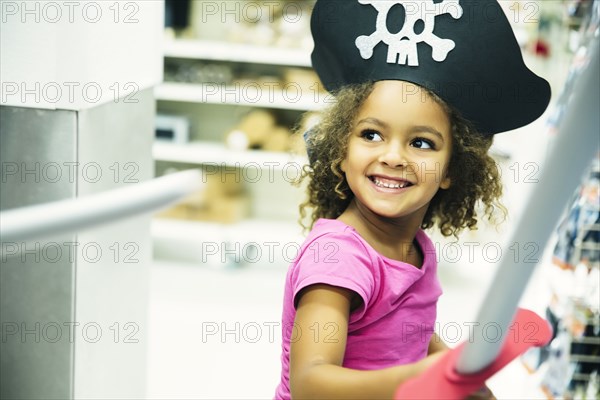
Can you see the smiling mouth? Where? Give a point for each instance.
(389, 183)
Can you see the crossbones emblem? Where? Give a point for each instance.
(402, 46)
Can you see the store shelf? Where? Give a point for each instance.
(250, 94)
(264, 82)
(237, 52)
(218, 154)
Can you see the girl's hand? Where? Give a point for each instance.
(482, 394)
(430, 360)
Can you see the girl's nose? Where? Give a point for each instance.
(393, 156)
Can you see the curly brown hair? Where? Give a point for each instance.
(473, 173)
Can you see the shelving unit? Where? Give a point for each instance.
(252, 95)
(217, 154)
(211, 108)
(241, 53)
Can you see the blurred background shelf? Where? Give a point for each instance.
(218, 154)
(245, 94)
(238, 91)
(236, 52)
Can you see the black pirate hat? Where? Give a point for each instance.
(463, 50)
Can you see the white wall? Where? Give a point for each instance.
(76, 55)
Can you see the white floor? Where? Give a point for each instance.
(214, 333)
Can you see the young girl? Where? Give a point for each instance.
(389, 159)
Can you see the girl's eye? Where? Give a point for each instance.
(423, 144)
(371, 135)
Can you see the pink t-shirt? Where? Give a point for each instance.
(395, 322)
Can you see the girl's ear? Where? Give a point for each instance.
(343, 165)
(446, 183)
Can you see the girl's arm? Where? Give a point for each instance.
(317, 352)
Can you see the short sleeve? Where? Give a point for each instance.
(338, 259)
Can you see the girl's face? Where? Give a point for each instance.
(398, 151)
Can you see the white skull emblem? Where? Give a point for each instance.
(402, 46)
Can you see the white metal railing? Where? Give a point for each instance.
(39, 221)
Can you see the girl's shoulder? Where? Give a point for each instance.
(336, 236)
(324, 227)
(333, 229)
(331, 225)
(330, 236)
